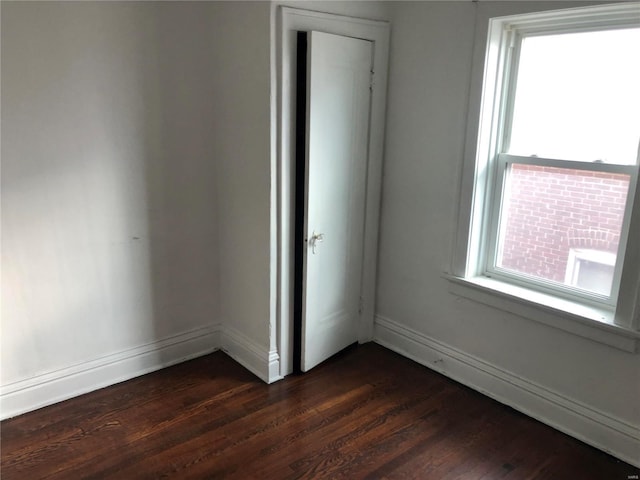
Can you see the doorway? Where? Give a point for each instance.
(333, 104)
(283, 282)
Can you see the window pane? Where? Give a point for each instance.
(578, 97)
(593, 276)
(550, 213)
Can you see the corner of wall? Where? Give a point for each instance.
(580, 421)
(263, 363)
(53, 387)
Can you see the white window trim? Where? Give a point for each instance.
(616, 326)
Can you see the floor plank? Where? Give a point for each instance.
(367, 413)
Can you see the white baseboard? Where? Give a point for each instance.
(261, 362)
(585, 423)
(27, 395)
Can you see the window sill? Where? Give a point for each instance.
(586, 321)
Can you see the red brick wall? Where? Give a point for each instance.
(550, 210)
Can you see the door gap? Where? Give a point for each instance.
(299, 195)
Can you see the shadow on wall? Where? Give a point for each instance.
(109, 235)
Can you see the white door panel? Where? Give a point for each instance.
(338, 106)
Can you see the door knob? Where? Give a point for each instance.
(314, 240)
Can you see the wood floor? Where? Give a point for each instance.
(368, 413)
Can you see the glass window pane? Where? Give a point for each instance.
(549, 214)
(578, 97)
(593, 276)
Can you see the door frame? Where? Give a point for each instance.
(289, 21)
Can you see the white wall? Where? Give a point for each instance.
(431, 58)
(136, 189)
(242, 140)
(110, 235)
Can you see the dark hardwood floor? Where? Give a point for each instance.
(368, 413)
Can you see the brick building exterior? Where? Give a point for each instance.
(551, 210)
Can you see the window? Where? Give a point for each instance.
(557, 154)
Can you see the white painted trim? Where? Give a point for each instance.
(258, 360)
(594, 427)
(288, 21)
(588, 321)
(613, 15)
(53, 387)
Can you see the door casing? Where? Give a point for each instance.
(291, 20)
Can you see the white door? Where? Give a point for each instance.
(338, 105)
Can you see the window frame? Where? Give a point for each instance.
(485, 162)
